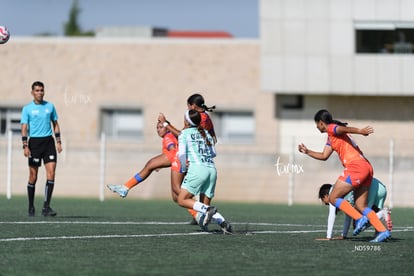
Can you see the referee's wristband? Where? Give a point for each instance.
(165, 124)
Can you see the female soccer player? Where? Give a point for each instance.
(376, 198)
(195, 153)
(168, 158)
(357, 175)
(194, 102)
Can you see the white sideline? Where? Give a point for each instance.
(396, 229)
(151, 223)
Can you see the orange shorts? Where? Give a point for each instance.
(175, 163)
(358, 173)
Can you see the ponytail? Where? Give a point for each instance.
(339, 123)
(203, 134)
(209, 109)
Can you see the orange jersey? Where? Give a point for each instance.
(207, 124)
(343, 144)
(168, 141)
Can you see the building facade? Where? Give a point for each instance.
(310, 55)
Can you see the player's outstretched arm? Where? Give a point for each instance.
(327, 151)
(354, 130)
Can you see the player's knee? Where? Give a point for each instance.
(180, 201)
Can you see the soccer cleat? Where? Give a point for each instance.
(120, 189)
(360, 225)
(48, 212)
(208, 215)
(200, 218)
(193, 222)
(226, 228)
(382, 236)
(388, 220)
(31, 211)
(199, 221)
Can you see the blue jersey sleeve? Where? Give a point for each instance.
(25, 116)
(54, 115)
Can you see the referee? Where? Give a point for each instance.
(38, 124)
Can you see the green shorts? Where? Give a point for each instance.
(200, 180)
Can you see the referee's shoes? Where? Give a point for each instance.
(48, 212)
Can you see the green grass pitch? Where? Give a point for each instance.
(149, 237)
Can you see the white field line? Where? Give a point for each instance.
(101, 237)
(395, 229)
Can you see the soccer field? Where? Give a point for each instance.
(135, 237)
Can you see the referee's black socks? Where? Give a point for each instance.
(31, 194)
(48, 192)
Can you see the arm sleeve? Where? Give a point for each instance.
(213, 151)
(24, 118)
(54, 114)
(331, 221)
(182, 153)
(212, 148)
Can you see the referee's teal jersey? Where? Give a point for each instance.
(38, 117)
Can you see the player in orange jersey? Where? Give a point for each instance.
(357, 175)
(168, 158)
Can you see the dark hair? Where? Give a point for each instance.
(324, 190)
(326, 117)
(195, 117)
(37, 83)
(198, 100)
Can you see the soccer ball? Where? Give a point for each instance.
(4, 34)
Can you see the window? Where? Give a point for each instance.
(289, 106)
(10, 120)
(122, 123)
(234, 126)
(385, 37)
(290, 101)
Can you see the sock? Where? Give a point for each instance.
(347, 208)
(381, 214)
(217, 218)
(192, 212)
(50, 184)
(31, 194)
(200, 207)
(374, 220)
(133, 181)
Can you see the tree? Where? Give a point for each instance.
(72, 27)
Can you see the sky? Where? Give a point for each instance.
(33, 17)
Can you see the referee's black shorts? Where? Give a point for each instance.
(42, 148)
